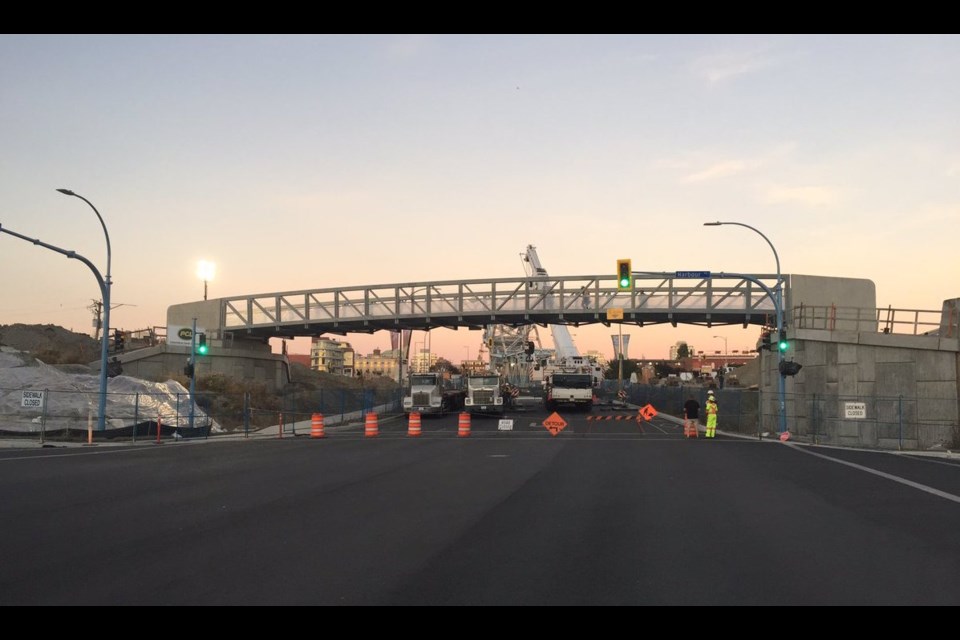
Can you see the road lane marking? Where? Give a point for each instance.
(882, 474)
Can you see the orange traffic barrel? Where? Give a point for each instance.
(370, 428)
(463, 429)
(316, 426)
(413, 428)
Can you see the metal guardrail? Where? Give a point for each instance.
(656, 297)
(881, 320)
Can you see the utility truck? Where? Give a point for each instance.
(571, 381)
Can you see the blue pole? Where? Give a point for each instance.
(193, 364)
(781, 383)
(104, 293)
(101, 419)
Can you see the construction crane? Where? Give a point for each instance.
(562, 340)
(516, 352)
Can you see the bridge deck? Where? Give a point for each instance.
(571, 300)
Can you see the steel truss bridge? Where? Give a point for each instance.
(656, 298)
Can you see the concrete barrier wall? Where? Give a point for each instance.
(909, 385)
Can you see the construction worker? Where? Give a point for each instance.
(711, 410)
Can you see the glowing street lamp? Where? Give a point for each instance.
(206, 271)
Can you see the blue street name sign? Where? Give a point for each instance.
(691, 274)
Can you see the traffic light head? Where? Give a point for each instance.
(765, 341)
(202, 344)
(188, 370)
(783, 344)
(624, 275)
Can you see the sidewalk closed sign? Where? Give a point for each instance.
(32, 399)
(857, 410)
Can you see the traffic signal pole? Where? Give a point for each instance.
(778, 301)
(193, 369)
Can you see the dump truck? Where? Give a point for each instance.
(484, 394)
(433, 393)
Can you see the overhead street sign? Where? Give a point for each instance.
(691, 274)
(614, 314)
(554, 423)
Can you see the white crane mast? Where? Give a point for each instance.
(562, 340)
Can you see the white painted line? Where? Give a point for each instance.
(909, 483)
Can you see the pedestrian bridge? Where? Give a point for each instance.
(656, 298)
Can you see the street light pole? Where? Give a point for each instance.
(205, 271)
(778, 303)
(101, 418)
(725, 352)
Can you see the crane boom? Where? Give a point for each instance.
(562, 340)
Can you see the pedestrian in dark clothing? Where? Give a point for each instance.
(691, 412)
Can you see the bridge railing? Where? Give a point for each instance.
(881, 320)
(489, 299)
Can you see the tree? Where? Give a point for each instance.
(629, 366)
(683, 351)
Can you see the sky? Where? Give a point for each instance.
(308, 161)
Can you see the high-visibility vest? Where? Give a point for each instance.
(711, 407)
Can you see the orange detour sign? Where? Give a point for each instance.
(414, 427)
(554, 423)
(648, 412)
(316, 426)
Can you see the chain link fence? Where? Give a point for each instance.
(71, 415)
(882, 422)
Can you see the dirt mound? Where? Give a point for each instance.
(50, 343)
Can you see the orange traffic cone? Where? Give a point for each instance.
(316, 426)
(413, 429)
(371, 428)
(463, 429)
(690, 429)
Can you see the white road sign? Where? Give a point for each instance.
(505, 425)
(856, 410)
(32, 399)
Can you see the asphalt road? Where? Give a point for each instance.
(607, 513)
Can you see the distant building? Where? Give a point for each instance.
(599, 357)
(331, 356)
(421, 361)
(299, 358)
(675, 349)
(473, 366)
(377, 364)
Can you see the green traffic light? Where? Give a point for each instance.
(624, 274)
(201, 344)
(783, 345)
